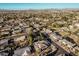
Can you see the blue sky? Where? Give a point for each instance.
(37, 5)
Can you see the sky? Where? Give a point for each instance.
(16, 6)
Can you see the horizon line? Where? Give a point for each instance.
(41, 9)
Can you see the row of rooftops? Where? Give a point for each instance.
(64, 41)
